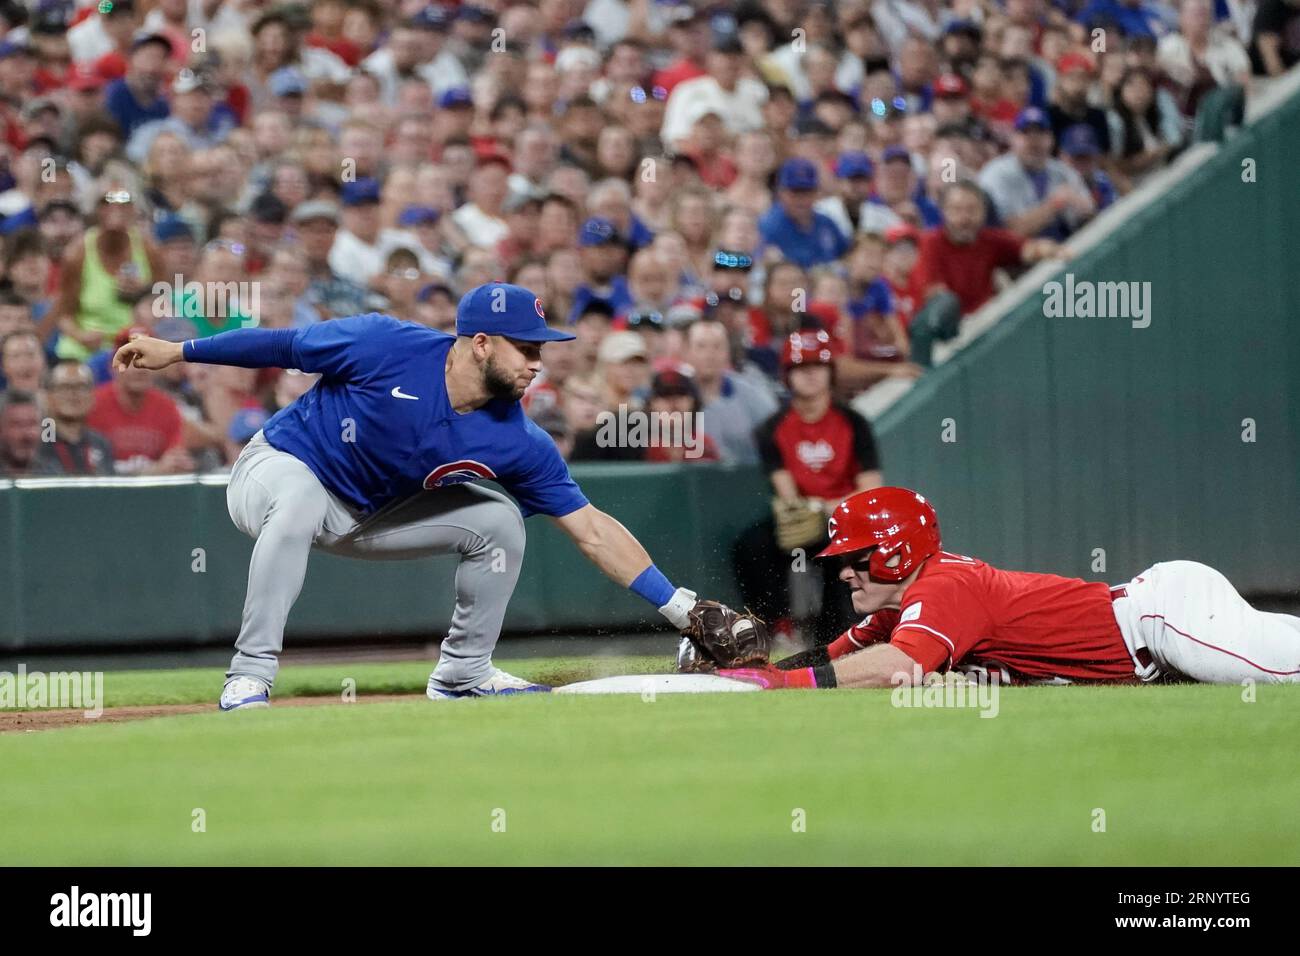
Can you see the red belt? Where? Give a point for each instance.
(1142, 654)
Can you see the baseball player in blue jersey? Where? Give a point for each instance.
(378, 461)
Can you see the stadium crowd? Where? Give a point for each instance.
(685, 185)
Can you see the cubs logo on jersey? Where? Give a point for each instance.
(457, 473)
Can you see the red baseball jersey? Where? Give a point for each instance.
(960, 609)
(142, 434)
(967, 271)
(823, 456)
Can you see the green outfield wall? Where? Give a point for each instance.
(147, 565)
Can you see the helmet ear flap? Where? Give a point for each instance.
(887, 565)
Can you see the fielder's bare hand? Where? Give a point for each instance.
(146, 352)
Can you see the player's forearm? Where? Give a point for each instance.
(246, 348)
(1035, 220)
(612, 548)
(881, 665)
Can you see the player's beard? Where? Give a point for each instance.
(499, 384)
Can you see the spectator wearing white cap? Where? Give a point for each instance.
(737, 99)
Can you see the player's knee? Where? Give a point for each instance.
(504, 529)
(296, 515)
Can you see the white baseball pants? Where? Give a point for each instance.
(1195, 624)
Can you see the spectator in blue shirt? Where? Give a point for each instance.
(1129, 17)
(792, 225)
(136, 98)
(1080, 149)
(604, 258)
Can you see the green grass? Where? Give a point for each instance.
(198, 685)
(1185, 775)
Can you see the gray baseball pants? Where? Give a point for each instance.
(276, 499)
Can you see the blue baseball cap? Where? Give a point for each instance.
(851, 165)
(287, 81)
(418, 216)
(172, 227)
(892, 153)
(798, 174)
(359, 192)
(499, 308)
(455, 97)
(1080, 140)
(433, 17)
(1032, 116)
(597, 231)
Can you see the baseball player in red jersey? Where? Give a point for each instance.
(929, 610)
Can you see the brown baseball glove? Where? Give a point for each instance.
(719, 637)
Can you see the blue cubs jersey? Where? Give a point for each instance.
(378, 426)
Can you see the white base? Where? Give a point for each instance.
(657, 684)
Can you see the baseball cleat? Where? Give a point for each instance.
(498, 684)
(245, 693)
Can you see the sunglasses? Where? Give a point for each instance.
(226, 245)
(649, 320)
(639, 94)
(733, 260)
(411, 274)
(117, 197)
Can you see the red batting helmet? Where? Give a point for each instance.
(892, 521)
(809, 347)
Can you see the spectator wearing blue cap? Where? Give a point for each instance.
(362, 247)
(853, 175)
(1080, 151)
(604, 257)
(793, 226)
(191, 110)
(137, 98)
(418, 46)
(1033, 194)
(897, 196)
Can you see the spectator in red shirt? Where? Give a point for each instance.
(140, 421)
(955, 265)
(691, 38)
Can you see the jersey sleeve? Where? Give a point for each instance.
(872, 629)
(864, 442)
(343, 348)
(765, 439)
(544, 485)
(941, 620)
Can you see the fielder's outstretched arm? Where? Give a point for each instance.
(617, 552)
